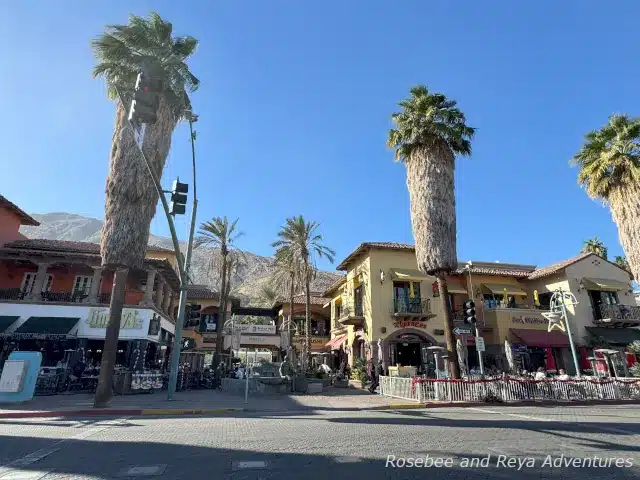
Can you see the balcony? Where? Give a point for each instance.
(351, 314)
(415, 308)
(617, 315)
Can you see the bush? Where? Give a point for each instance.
(635, 370)
(492, 398)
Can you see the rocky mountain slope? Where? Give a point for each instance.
(247, 282)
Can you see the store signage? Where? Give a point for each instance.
(99, 318)
(314, 340)
(261, 329)
(529, 320)
(13, 373)
(409, 323)
(260, 340)
(480, 347)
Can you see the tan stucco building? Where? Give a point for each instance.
(384, 305)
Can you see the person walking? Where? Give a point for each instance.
(376, 372)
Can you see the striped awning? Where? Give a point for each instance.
(336, 343)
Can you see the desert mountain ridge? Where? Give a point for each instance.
(246, 283)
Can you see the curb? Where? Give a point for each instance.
(223, 411)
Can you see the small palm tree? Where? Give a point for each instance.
(609, 163)
(288, 279)
(300, 242)
(430, 131)
(220, 234)
(131, 195)
(621, 261)
(595, 245)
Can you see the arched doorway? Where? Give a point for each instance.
(408, 347)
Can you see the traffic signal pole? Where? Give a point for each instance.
(184, 281)
(475, 324)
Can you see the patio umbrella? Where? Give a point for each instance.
(509, 353)
(462, 357)
(380, 350)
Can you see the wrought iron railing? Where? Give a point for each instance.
(352, 309)
(77, 296)
(417, 306)
(12, 294)
(104, 297)
(620, 313)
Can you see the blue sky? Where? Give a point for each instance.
(295, 104)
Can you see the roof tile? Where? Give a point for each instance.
(556, 267)
(66, 246)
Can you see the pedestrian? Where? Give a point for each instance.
(541, 374)
(377, 371)
(562, 374)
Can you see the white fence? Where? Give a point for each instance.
(509, 389)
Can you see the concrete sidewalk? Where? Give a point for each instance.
(208, 402)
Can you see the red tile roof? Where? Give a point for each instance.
(66, 246)
(557, 267)
(201, 292)
(25, 219)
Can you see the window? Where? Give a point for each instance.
(48, 283)
(27, 282)
(357, 293)
(609, 298)
(82, 284)
(337, 310)
(406, 297)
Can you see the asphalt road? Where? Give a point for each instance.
(510, 442)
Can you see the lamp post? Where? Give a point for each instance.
(563, 296)
(475, 325)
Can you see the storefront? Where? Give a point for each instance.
(616, 340)
(408, 347)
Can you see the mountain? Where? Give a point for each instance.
(247, 282)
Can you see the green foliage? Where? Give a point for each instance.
(634, 347)
(610, 157)
(634, 370)
(122, 49)
(595, 245)
(428, 121)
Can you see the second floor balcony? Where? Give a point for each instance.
(351, 314)
(617, 315)
(412, 307)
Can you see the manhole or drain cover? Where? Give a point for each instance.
(249, 464)
(143, 471)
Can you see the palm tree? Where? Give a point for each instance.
(218, 233)
(131, 196)
(288, 277)
(429, 132)
(268, 295)
(300, 242)
(595, 245)
(609, 163)
(621, 261)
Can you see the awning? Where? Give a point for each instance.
(499, 289)
(455, 286)
(46, 326)
(615, 336)
(405, 274)
(335, 343)
(541, 338)
(605, 284)
(7, 321)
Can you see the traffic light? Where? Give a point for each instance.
(144, 105)
(469, 312)
(178, 198)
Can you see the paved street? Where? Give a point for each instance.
(323, 444)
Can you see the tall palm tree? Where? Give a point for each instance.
(595, 245)
(429, 133)
(221, 234)
(299, 241)
(288, 277)
(268, 295)
(609, 163)
(131, 197)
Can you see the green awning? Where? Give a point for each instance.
(615, 336)
(47, 325)
(7, 321)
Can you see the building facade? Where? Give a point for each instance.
(384, 307)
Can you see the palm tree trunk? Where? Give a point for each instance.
(307, 313)
(291, 295)
(448, 326)
(222, 314)
(624, 203)
(109, 352)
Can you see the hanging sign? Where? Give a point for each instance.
(409, 323)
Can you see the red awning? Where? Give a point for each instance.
(335, 343)
(541, 338)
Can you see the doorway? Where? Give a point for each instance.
(408, 354)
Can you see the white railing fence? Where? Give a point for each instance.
(508, 389)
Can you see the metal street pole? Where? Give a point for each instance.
(469, 265)
(571, 342)
(184, 279)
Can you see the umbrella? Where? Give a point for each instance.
(462, 357)
(380, 350)
(509, 353)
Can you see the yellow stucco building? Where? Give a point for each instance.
(385, 307)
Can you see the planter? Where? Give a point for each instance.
(341, 383)
(315, 387)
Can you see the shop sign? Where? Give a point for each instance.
(261, 329)
(99, 318)
(409, 323)
(260, 340)
(314, 340)
(529, 320)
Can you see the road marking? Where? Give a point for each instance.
(516, 415)
(9, 470)
(347, 459)
(251, 464)
(26, 475)
(143, 471)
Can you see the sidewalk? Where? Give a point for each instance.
(206, 402)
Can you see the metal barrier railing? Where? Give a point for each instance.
(509, 389)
